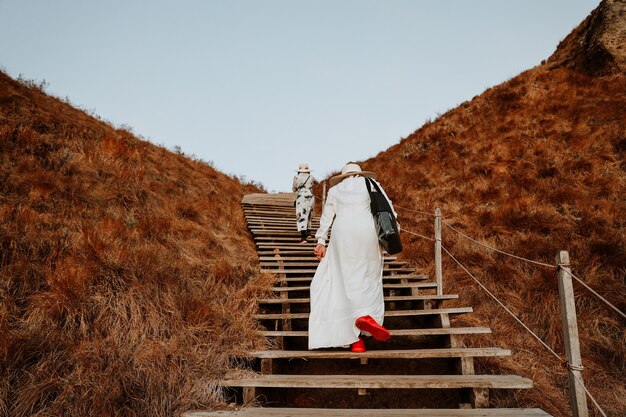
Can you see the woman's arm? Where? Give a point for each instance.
(328, 215)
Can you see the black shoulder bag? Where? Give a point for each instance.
(386, 224)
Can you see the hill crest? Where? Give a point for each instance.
(597, 46)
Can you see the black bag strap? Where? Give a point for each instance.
(304, 183)
(377, 200)
(371, 182)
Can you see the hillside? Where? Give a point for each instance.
(532, 166)
(127, 278)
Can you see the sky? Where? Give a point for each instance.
(258, 87)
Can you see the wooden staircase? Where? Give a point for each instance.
(424, 370)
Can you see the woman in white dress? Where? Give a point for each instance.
(305, 201)
(346, 291)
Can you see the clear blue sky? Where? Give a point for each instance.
(259, 86)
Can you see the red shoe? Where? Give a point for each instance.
(358, 347)
(368, 324)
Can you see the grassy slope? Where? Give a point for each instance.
(531, 166)
(127, 280)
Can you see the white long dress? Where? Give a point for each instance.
(348, 280)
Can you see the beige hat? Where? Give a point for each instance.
(347, 171)
(304, 168)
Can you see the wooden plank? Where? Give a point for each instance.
(419, 297)
(305, 271)
(578, 398)
(278, 233)
(396, 313)
(438, 271)
(275, 213)
(278, 221)
(286, 307)
(381, 354)
(385, 286)
(279, 239)
(343, 412)
(398, 332)
(254, 219)
(291, 246)
(304, 258)
(386, 278)
(287, 218)
(390, 265)
(383, 381)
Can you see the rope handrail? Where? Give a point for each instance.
(607, 302)
(414, 211)
(417, 234)
(503, 306)
(570, 367)
(521, 258)
(498, 250)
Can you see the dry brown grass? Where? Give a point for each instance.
(127, 280)
(531, 167)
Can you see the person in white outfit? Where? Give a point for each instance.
(305, 201)
(347, 291)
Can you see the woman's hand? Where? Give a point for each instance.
(320, 251)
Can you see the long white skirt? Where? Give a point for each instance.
(305, 201)
(347, 283)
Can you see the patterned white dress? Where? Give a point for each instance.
(305, 201)
(348, 280)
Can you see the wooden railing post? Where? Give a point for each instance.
(578, 399)
(438, 272)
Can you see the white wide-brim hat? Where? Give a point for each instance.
(349, 170)
(304, 168)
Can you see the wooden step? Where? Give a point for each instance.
(292, 246)
(284, 254)
(423, 285)
(381, 354)
(383, 381)
(253, 219)
(279, 233)
(288, 225)
(295, 243)
(364, 412)
(439, 331)
(278, 222)
(279, 214)
(312, 270)
(386, 278)
(425, 297)
(280, 239)
(315, 264)
(388, 313)
(270, 256)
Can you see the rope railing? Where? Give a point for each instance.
(573, 369)
(607, 302)
(498, 250)
(570, 367)
(417, 234)
(414, 211)
(521, 258)
(503, 306)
